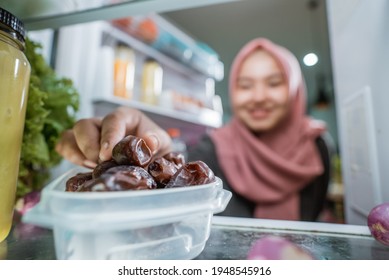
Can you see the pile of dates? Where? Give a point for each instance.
(133, 168)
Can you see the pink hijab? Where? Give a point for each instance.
(272, 168)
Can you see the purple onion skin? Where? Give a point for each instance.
(277, 248)
(378, 223)
(28, 201)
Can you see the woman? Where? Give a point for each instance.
(270, 155)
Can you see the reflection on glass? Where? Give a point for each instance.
(44, 8)
(3, 250)
(229, 243)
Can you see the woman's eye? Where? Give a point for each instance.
(276, 83)
(244, 86)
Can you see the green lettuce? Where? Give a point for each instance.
(51, 108)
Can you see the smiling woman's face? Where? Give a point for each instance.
(260, 97)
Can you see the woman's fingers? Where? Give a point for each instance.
(92, 140)
(113, 129)
(126, 121)
(68, 148)
(156, 138)
(140, 125)
(87, 137)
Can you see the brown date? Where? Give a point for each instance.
(131, 168)
(132, 150)
(76, 182)
(177, 158)
(102, 167)
(162, 171)
(192, 173)
(121, 178)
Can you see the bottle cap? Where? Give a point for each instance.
(15, 25)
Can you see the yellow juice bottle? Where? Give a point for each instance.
(152, 77)
(14, 82)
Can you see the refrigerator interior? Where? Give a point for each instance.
(359, 41)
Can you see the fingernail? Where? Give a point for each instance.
(90, 164)
(155, 142)
(104, 147)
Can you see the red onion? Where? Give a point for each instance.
(27, 202)
(378, 223)
(277, 248)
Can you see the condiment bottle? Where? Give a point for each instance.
(124, 71)
(151, 82)
(14, 83)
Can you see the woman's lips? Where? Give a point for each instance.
(259, 113)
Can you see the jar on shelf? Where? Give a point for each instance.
(124, 71)
(152, 76)
(14, 84)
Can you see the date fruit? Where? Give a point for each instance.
(132, 150)
(162, 171)
(102, 167)
(121, 178)
(76, 182)
(177, 158)
(131, 168)
(191, 174)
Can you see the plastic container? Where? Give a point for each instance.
(14, 83)
(143, 224)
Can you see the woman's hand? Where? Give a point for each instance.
(92, 140)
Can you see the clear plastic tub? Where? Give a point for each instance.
(143, 224)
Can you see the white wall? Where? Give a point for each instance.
(77, 59)
(359, 40)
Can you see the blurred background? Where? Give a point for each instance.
(171, 60)
(299, 25)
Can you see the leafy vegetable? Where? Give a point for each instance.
(51, 107)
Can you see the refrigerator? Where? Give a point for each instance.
(87, 53)
(359, 41)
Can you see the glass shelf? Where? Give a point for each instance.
(204, 117)
(325, 241)
(42, 14)
(230, 239)
(213, 70)
(191, 125)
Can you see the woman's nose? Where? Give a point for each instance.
(259, 94)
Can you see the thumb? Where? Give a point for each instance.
(158, 141)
